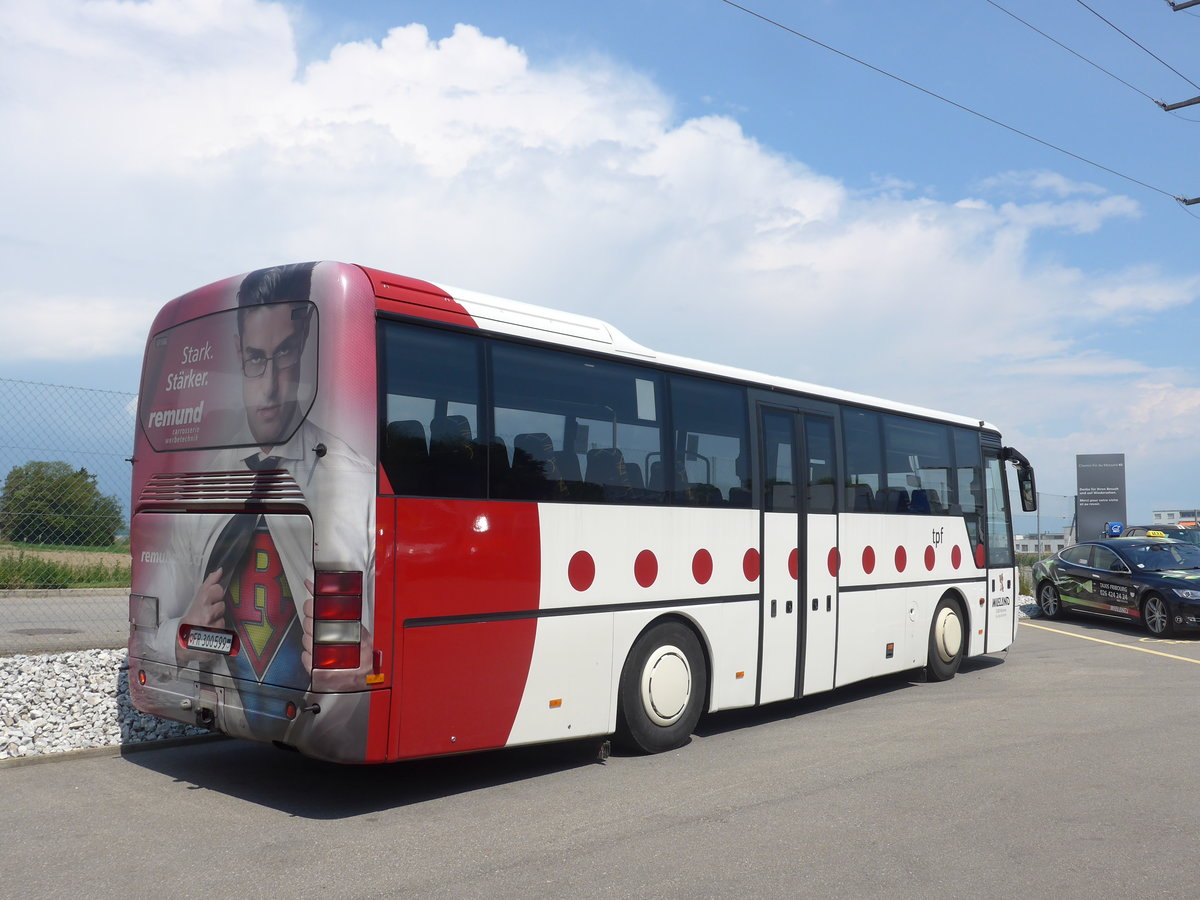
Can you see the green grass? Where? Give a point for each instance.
(121, 545)
(21, 571)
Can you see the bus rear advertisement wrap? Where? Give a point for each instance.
(255, 472)
(376, 519)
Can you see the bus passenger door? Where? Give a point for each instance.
(799, 605)
(821, 572)
(780, 621)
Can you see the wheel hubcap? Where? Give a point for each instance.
(948, 634)
(666, 685)
(1049, 601)
(1156, 616)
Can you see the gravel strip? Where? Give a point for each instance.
(75, 701)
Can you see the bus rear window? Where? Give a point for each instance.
(237, 378)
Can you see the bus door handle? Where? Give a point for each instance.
(772, 609)
(828, 603)
(816, 604)
(787, 607)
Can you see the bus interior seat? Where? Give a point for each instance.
(568, 465)
(705, 494)
(535, 466)
(456, 468)
(658, 480)
(859, 498)
(635, 476)
(406, 456)
(892, 499)
(606, 468)
(742, 495)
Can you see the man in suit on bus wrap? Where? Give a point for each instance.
(257, 570)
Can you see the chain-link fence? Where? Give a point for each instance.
(64, 516)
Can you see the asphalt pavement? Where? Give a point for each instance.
(1058, 771)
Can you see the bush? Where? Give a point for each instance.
(52, 503)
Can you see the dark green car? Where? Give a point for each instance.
(1149, 580)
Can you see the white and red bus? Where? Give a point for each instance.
(376, 519)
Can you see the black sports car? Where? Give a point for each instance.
(1149, 580)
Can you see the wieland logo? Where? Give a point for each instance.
(186, 415)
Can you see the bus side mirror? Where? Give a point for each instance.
(1028, 488)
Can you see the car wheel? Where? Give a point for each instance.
(1049, 602)
(663, 685)
(947, 641)
(1156, 615)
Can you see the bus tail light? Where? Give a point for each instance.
(337, 620)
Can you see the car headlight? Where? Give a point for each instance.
(1187, 593)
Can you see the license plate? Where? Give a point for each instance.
(213, 641)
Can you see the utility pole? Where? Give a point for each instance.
(1186, 4)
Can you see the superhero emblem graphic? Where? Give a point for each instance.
(260, 607)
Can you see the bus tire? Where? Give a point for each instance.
(947, 640)
(663, 685)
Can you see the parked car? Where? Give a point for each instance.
(1151, 580)
(1174, 532)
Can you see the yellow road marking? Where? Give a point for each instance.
(1084, 637)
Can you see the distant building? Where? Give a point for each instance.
(1175, 516)
(1049, 543)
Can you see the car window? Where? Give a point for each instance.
(1077, 555)
(1103, 558)
(1161, 556)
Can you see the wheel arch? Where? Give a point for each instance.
(688, 622)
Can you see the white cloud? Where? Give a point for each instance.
(154, 146)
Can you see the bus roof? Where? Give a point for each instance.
(541, 323)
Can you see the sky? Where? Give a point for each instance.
(931, 202)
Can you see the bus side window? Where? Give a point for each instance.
(863, 462)
(583, 428)
(430, 443)
(710, 442)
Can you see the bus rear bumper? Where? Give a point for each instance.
(318, 725)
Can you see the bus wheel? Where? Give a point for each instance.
(1157, 615)
(663, 684)
(947, 638)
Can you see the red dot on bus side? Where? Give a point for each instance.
(956, 556)
(930, 558)
(750, 565)
(980, 556)
(702, 566)
(645, 568)
(868, 559)
(901, 559)
(794, 564)
(581, 570)
(834, 562)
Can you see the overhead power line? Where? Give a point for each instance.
(1083, 159)
(1169, 107)
(1009, 12)
(1136, 44)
